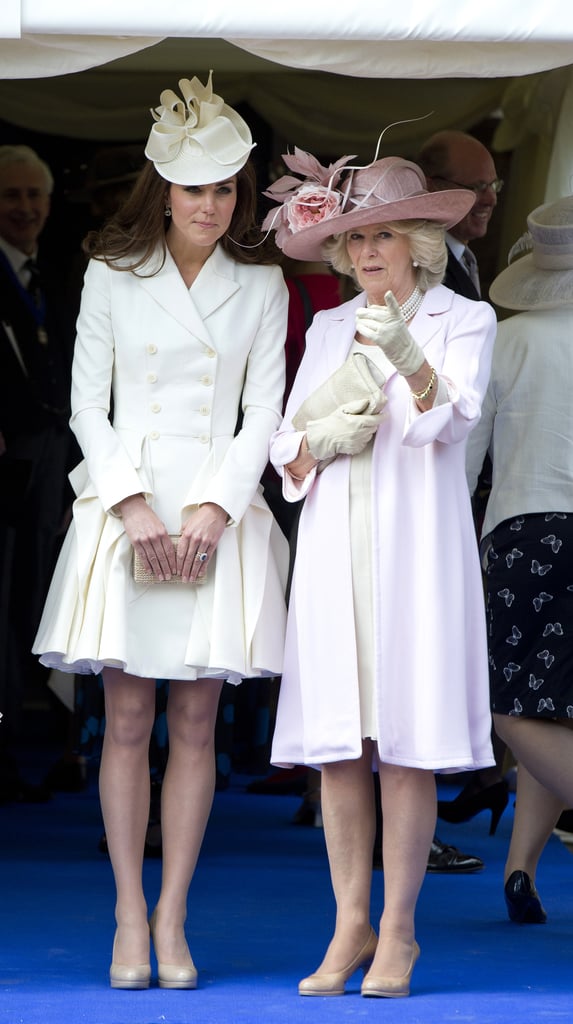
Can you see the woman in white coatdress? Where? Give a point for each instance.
(181, 333)
(386, 655)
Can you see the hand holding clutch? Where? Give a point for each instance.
(357, 379)
(386, 327)
(346, 431)
(143, 574)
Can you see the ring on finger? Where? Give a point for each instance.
(202, 556)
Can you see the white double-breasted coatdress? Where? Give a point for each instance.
(177, 364)
(430, 654)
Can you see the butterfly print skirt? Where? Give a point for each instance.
(529, 579)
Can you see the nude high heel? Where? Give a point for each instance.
(127, 975)
(174, 975)
(391, 988)
(333, 982)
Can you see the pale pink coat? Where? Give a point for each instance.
(432, 691)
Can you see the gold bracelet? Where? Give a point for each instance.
(420, 395)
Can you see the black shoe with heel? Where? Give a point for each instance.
(522, 900)
(466, 805)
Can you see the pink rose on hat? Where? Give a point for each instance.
(311, 204)
(304, 203)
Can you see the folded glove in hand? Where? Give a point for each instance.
(346, 431)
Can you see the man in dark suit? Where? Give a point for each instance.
(451, 158)
(35, 441)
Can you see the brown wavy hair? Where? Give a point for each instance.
(137, 230)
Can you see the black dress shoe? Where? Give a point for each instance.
(522, 900)
(449, 860)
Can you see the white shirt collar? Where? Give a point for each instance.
(16, 258)
(455, 245)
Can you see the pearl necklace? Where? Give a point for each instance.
(412, 304)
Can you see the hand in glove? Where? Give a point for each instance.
(386, 326)
(346, 431)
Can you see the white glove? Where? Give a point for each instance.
(386, 326)
(346, 431)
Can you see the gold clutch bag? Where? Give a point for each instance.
(142, 574)
(357, 378)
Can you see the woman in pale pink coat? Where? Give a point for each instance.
(386, 663)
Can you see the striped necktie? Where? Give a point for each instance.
(34, 290)
(470, 264)
(34, 287)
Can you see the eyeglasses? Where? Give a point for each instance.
(481, 186)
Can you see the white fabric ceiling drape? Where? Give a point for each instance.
(372, 39)
(383, 62)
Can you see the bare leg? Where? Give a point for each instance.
(187, 796)
(409, 812)
(536, 812)
(546, 750)
(124, 794)
(347, 794)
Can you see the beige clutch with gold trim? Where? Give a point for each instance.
(357, 378)
(142, 574)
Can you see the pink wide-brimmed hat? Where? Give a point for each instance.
(543, 278)
(319, 207)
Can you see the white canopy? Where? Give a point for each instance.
(371, 39)
(326, 76)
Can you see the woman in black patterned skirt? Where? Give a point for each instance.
(527, 538)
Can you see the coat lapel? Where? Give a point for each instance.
(426, 324)
(193, 307)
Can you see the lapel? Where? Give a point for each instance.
(427, 322)
(192, 308)
(427, 328)
(423, 327)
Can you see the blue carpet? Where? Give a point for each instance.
(260, 916)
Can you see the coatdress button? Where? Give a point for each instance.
(152, 378)
(210, 352)
(155, 407)
(204, 439)
(207, 381)
(152, 349)
(154, 435)
(204, 410)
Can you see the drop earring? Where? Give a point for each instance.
(415, 263)
(167, 211)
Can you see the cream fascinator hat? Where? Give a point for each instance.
(543, 279)
(197, 140)
(319, 207)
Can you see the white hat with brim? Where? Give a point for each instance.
(199, 139)
(542, 279)
(387, 190)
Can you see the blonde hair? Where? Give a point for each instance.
(427, 249)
